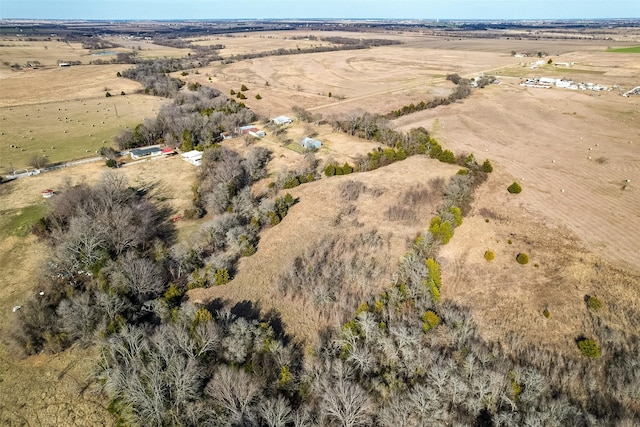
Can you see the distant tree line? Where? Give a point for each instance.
(340, 43)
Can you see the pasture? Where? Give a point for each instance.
(63, 113)
(632, 49)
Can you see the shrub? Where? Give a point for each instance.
(593, 302)
(522, 258)
(429, 320)
(489, 255)
(111, 163)
(173, 295)
(389, 154)
(514, 188)
(434, 271)
(118, 74)
(107, 95)
(588, 347)
(442, 230)
(487, 167)
(244, 88)
(232, 92)
(222, 276)
(362, 308)
(258, 96)
(122, 93)
(330, 170)
(454, 78)
(457, 215)
(447, 157)
(434, 291)
(546, 313)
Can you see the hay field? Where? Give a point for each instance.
(382, 78)
(145, 49)
(378, 79)
(243, 43)
(62, 113)
(48, 52)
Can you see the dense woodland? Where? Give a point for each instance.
(117, 279)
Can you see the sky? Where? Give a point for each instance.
(250, 9)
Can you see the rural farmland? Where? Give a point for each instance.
(254, 222)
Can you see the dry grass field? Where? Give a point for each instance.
(572, 151)
(62, 113)
(66, 108)
(314, 219)
(507, 298)
(243, 43)
(47, 52)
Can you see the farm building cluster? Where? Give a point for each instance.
(549, 82)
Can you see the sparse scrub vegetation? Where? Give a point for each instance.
(489, 255)
(522, 258)
(351, 190)
(320, 274)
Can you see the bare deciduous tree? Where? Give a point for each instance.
(236, 392)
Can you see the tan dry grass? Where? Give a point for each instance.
(145, 49)
(51, 391)
(66, 108)
(508, 298)
(543, 139)
(242, 43)
(312, 219)
(378, 79)
(48, 52)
